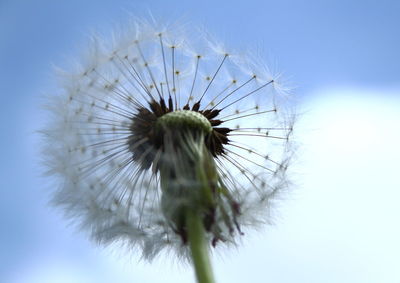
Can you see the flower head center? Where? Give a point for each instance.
(185, 119)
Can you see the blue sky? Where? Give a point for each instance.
(342, 56)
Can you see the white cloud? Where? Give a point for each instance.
(342, 223)
(346, 217)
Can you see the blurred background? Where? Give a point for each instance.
(340, 223)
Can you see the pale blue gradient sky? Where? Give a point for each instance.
(340, 226)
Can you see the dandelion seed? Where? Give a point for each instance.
(149, 128)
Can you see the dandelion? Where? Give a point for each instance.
(164, 140)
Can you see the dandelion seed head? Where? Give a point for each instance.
(132, 122)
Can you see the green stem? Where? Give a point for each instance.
(198, 247)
